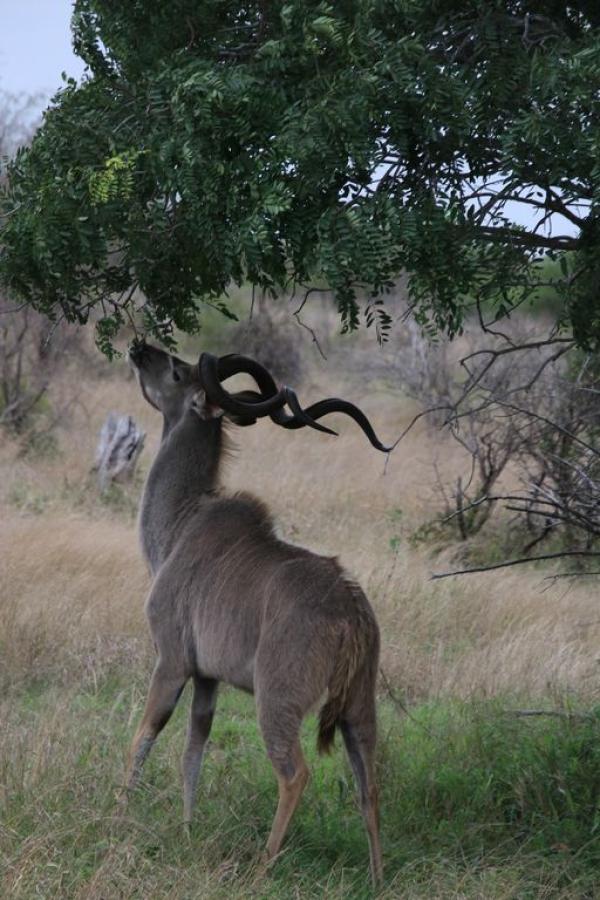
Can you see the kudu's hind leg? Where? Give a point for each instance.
(280, 729)
(283, 695)
(292, 776)
(164, 692)
(359, 734)
(201, 716)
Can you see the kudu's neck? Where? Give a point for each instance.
(185, 471)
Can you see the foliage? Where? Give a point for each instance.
(209, 144)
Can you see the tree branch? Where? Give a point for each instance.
(503, 235)
(514, 562)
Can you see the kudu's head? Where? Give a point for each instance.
(176, 388)
(168, 383)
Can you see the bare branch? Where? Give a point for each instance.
(13, 309)
(533, 415)
(506, 234)
(515, 562)
(311, 332)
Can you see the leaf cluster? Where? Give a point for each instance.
(280, 143)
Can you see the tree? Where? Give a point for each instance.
(304, 143)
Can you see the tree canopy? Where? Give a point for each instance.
(296, 143)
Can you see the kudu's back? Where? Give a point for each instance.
(232, 602)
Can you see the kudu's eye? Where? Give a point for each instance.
(176, 375)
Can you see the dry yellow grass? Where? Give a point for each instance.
(72, 594)
(73, 584)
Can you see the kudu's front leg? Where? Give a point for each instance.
(164, 692)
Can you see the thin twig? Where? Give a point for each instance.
(465, 509)
(415, 419)
(399, 704)
(311, 332)
(571, 575)
(514, 562)
(529, 412)
(307, 293)
(13, 309)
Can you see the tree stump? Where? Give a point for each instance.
(120, 444)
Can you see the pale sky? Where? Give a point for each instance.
(35, 47)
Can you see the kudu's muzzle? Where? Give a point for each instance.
(136, 352)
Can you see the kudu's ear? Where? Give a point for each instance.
(203, 407)
(179, 370)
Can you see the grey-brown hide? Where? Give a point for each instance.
(231, 602)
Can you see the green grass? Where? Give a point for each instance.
(475, 803)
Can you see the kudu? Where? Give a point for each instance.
(232, 602)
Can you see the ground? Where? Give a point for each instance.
(477, 800)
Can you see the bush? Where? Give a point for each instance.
(32, 351)
(519, 407)
(273, 343)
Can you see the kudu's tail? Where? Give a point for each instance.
(358, 642)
